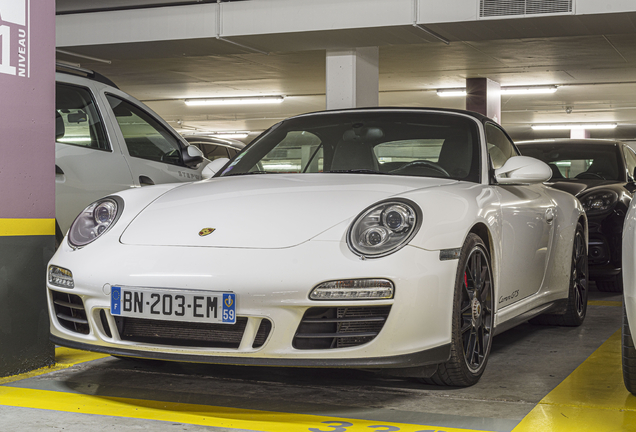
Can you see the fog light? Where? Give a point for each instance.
(61, 277)
(353, 289)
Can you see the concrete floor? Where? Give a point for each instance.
(527, 363)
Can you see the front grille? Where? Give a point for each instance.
(177, 333)
(261, 335)
(104, 321)
(70, 313)
(339, 327)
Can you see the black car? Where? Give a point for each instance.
(600, 173)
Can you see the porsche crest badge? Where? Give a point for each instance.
(206, 231)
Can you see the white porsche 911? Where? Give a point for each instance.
(394, 239)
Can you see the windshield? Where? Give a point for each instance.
(369, 142)
(578, 161)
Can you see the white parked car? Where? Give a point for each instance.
(106, 141)
(397, 239)
(629, 299)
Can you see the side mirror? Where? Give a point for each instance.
(192, 156)
(213, 167)
(523, 169)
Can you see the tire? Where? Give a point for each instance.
(614, 285)
(472, 321)
(629, 356)
(576, 308)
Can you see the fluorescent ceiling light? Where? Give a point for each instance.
(564, 126)
(234, 135)
(504, 90)
(451, 92)
(243, 100)
(529, 89)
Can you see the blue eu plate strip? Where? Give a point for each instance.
(115, 301)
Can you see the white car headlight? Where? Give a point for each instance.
(384, 228)
(94, 221)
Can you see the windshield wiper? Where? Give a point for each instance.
(361, 171)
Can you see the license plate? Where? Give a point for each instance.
(173, 305)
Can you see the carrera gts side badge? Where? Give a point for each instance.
(206, 231)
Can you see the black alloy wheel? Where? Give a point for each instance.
(473, 318)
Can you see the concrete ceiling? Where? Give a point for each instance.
(592, 60)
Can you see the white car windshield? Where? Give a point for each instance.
(407, 143)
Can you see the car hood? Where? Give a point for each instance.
(262, 211)
(577, 188)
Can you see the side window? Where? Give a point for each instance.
(145, 137)
(76, 119)
(630, 161)
(232, 152)
(212, 151)
(500, 148)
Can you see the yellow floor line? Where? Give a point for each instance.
(203, 415)
(64, 358)
(592, 398)
(604, 303)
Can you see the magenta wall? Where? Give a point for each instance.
(27, 104)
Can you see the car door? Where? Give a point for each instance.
(528, 216)
(88, 165)
(154, 150)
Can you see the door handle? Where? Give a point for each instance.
(145, 181)
(549, 215)
(58, 170)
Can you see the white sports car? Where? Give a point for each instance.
(395, 239)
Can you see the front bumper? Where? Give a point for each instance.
(429, 357)
(270, 285)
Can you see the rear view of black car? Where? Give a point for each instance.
(600, 173)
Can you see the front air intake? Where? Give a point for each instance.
(69, 311)
(177, 333)
(339, 327)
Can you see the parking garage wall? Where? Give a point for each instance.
(27, 181)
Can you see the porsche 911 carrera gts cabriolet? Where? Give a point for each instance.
(393, 239)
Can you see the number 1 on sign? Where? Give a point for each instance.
(5, 46)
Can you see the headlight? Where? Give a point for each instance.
(599, 202)
(384, 228)
(95, 220)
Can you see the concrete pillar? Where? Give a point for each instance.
(484, 96)
(579, 133)
(27, 181)
(353, 78)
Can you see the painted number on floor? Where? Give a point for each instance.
(340, 426)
